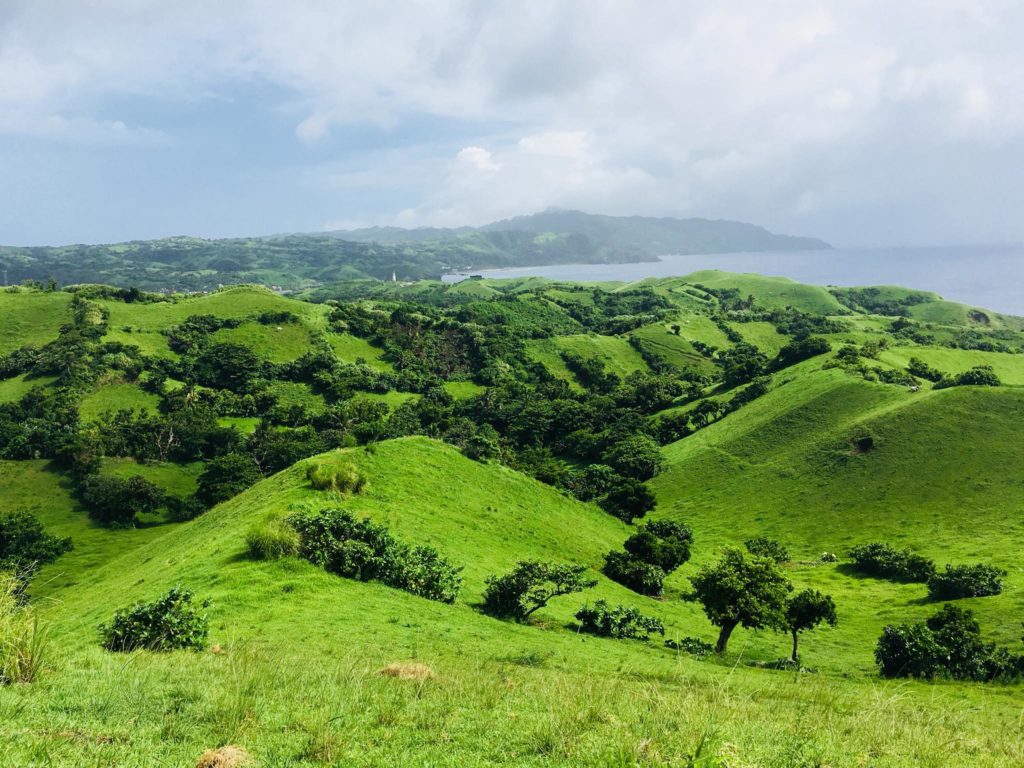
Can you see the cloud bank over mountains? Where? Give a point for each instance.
(862, 123)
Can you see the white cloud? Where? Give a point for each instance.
(800, 116)
(478, 158)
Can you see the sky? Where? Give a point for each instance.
(863, 122)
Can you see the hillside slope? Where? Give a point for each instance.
(294, 676)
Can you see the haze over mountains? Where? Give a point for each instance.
(305, 259)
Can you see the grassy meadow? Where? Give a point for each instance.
(303, 668)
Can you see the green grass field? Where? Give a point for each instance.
(293, 670)
(116, 396)
(296, 680)
(31, 317)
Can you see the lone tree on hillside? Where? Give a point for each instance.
(806, 610)
(741, 589)
(529, 587)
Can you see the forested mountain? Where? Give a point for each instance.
(303, 260)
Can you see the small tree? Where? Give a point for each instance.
(25, 546)
(661, 543)
(628, 500)
(806, 610)
(633, 573)
(529, 587)
(636, 456)
(742, 590)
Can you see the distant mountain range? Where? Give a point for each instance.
(302, 260)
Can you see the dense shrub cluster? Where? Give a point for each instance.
(169, 623)
(880, 559)
(948, 644)
(338, 542)
(979, 376)
(618, 621)
(959, 581)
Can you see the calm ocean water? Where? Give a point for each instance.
(988, 277)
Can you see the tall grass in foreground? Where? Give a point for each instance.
(22, 637)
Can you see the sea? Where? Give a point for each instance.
(990, 277)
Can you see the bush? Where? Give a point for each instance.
(633, 573)
(959, 581)
(226, 476)
(883, 560)
(765, 547)
(908, 650)
(949, 643)
(358, 549)
(628, 500)
(22, 638)
(918, 367)
(272, 539)
(661, 543)
(618, 622)
(529, 587)
(692, 645)
(184, 508)
(828, 557)
(979, 376)
(636, 456)
(25, 547)
(115, 501)
(170, 623)
(344, 479)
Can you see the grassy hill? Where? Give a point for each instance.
(840, 449)
(296, 675)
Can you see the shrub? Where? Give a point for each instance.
(636, 456)
(949, 643)
(530, 586)
(22, 638)
(691, 645)
(169, 623)
(661, 543)
(979, 376)
(908, 650)
(918, 367)
(25, 546)
(628, 500)
(883, 560)
(184, 508)
(116, 501)
(358, 549)
(272, 539)
(226, 476)
(828, 557)
(959, 581)
(344, 479)
(801, 349)
(618, 622)
(633, 573)
(424, 572)
(765, 547)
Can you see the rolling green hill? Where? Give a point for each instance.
(298, 261)
(459, 408)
